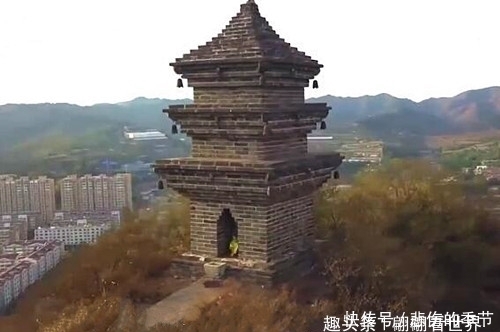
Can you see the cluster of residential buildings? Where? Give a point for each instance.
(98, 192)
(90, 205)
(22, 261)
(34, 232)
(74, 229)
(71, 228)
(22, 264)
(15, 227)
(354, 149)
(19, 195)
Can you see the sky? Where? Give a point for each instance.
(94, 51)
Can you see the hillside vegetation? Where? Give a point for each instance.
(474, 110)
(23, 124)
(400, 240)
(473, 155)
(380, 115)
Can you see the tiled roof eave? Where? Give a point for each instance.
(242, 60)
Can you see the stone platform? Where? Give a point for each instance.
(183, 305)
(292, 266)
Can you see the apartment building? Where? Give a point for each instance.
(122, 190)
(25, 195)
(23, 247)
(5, 294)
(31, 219)
(99, 192)
(23, 264)
(7, 260)
(76, 228)
(72, 235)
(13, 229)
(63, 218)
(68, 189)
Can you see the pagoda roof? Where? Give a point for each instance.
(247, 37)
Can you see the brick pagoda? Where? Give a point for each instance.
(249, 175)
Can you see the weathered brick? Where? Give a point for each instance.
(244, 96)
(276, 149)
(249, 127)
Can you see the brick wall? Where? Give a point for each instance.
(275, 149)
(206, 231)
(248, 95)
(290, 226)
(264, 232)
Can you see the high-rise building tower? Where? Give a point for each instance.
(100, 192)
(20, 195)
(86, 193)
(121, 188)
(43, 199)
(69, 193)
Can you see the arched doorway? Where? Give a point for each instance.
(226, 229)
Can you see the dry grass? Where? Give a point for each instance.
(249, 308)
(410, 247)
(84, 289)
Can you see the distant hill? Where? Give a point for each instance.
(22, 123)
(474, 110)
(381, 115)
(346, 110)
(471, 110)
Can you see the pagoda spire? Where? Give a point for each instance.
(248, 36)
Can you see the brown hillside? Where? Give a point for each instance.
(416, 245)
(470, 110)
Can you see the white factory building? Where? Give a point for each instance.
(144, 135)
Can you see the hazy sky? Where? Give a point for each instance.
(93, 51)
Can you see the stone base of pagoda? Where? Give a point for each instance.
(292, 266)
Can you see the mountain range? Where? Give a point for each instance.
(474, 110)
(382, 115)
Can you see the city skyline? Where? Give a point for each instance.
(96, 192)
(23, 194)
(411, 49)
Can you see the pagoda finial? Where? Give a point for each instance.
(249, 7)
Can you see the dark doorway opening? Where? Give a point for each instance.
(226, 230)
